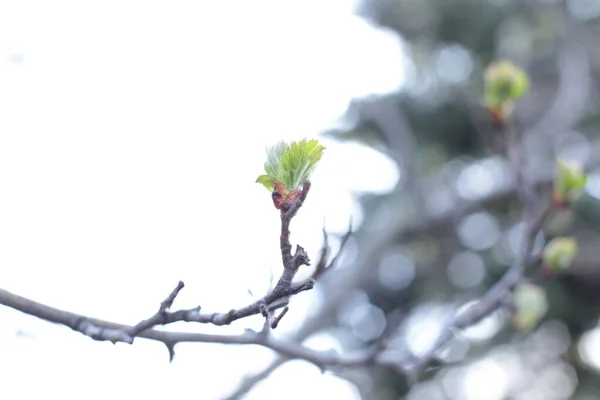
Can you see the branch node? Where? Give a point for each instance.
(300, 257)
(264, 310)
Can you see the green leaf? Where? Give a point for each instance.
(273, 156)
(267, 181)
(298, 161)
(290, 164)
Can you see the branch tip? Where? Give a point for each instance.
(276, 321)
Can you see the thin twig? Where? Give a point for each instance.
(277, 298)
(496, 295)
(277, 319)
(492, 300)
(161, 316)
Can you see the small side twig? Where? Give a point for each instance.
(324, 263)
(161, 316)
(277, 319)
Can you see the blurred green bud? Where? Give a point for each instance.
(569, 182)
(530, 304)
(559, 254)
(504, 84)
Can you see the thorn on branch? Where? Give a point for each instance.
(171, 350)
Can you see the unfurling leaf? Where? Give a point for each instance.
(267, 181)
(291, 164)
(530, 304)
(569, 182)
(298, 161)
(559, 254)
(273, 156)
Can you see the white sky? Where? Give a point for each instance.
(131, 133)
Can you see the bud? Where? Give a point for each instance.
(569, 182)
(559, 254)
(288, 167)
(504, 84)
(531, 304)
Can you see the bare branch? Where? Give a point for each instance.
(161, 316)
(249, 382)
(496, 296)
(277, 298)
(170, 339)
(492, 300)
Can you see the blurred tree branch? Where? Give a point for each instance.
(490, 301)
(278, 297)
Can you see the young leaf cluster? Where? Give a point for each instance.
(504, 84)
(291, 164)
(569, 181)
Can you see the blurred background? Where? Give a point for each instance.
(131, 134)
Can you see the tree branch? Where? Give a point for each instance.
(279, 297)
(493, 299)
(538, 178)
(106, 330)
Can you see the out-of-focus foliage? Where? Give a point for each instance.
(559, 253)
(504, 84)
(569, 181)
(530, 306)
(454, 182)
